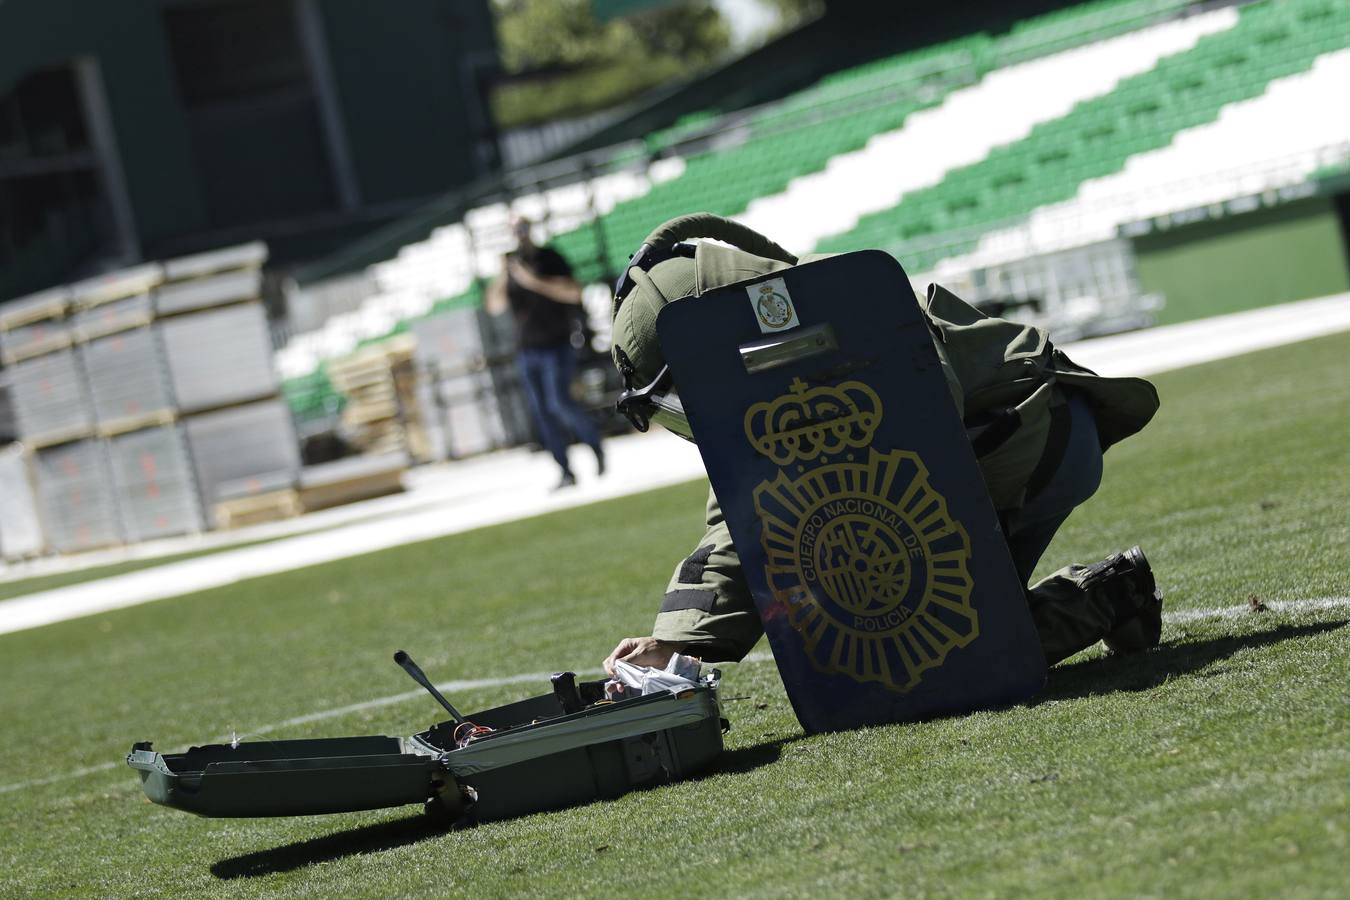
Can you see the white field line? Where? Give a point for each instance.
(637, 463)
(1169, 347)
(321, 715)
(1182, 616)
(1175, 617)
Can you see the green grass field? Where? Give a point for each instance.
(1217, 765)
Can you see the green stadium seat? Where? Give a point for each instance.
(1096, 137)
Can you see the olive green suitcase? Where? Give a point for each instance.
(539, 756)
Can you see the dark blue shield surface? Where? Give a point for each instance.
(854, 500)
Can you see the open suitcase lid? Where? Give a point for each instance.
(287, 778)
(328, 775)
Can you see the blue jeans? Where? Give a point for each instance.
(1032, 527)
(547, 373)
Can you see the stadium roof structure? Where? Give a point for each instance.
(850, 33)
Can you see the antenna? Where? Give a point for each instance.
(406, 661)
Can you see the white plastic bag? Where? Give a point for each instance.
(680, 674)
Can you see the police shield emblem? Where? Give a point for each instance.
(853, 497)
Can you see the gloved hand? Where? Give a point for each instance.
(641, 651)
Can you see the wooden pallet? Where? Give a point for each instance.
(379, 385)
(350, 490)
(124, 424)
(269, 506)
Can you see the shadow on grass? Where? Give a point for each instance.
(1139, 672)
(403, 832)
(745, 759)
(368, 839)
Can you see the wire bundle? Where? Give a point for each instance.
(466, 733)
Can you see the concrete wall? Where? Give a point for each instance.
(407, 113)
(397, 70)
(1289, 252)
(151, 131)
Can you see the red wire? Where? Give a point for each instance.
(474, 733)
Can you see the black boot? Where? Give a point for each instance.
(1128, 582)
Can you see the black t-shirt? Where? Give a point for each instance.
(540, 321)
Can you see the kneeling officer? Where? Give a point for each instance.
(1038, 424)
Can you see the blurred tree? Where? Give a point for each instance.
(794, 12)
(565, 63)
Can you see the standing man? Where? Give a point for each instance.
(536, 283)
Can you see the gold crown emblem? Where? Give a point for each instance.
(806, 422)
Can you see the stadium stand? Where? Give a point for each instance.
(1106, 112)
(807, 130)
(1143, 113)
(965, 128)
(1265, 143)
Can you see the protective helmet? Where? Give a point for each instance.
(661, 271)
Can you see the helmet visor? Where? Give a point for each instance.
(657, 403)
(668, 412)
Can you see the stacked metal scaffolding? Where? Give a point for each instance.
(466, 405)
(20, 527)
(142, 399)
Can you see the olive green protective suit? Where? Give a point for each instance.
(1002, 375)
